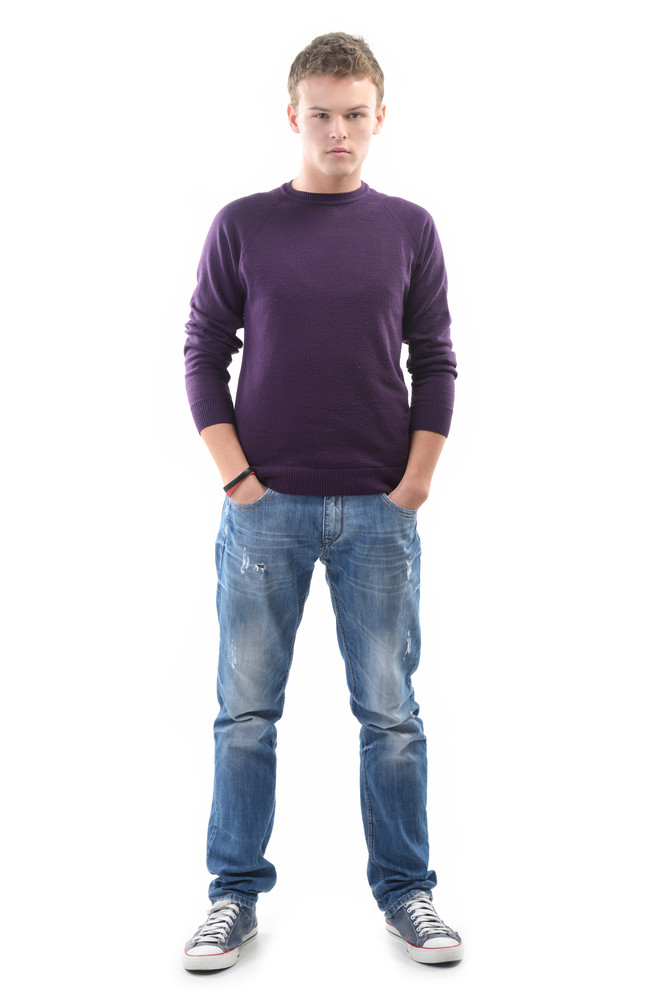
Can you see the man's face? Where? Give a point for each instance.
(336, 119)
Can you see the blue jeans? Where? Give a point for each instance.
(265, 554)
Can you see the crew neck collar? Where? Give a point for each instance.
(324, 199)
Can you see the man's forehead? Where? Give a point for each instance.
(323, 91)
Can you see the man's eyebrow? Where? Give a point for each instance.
(357, 107)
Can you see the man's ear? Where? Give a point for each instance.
(379, 118)
(292, 118)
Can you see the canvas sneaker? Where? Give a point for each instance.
(215, 945)
(426, 937)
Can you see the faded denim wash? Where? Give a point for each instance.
(265, 555)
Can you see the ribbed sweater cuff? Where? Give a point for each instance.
(431, 417)
(212, 410)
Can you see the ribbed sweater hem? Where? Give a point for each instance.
(329, 482)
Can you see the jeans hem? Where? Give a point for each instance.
(235, 897)
(406, 899)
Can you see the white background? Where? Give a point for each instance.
(534, 134)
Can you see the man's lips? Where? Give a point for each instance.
(338, 151)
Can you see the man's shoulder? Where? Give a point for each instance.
(412, 217)
(402, 205)
(247, 210)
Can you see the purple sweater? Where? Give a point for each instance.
(326, 287)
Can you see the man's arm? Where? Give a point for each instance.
(432, 366)
(223, 443)
(216, 315)
(413, 489)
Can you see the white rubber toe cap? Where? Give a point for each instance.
(433, 953)
(441, 942)
(204, 949)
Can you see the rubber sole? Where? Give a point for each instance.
(429, 956)
(211, 963)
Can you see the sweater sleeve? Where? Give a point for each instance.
(426, 323)
(216, 313)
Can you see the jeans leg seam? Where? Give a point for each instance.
(369, 813)
(343, 637)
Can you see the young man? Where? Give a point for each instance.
(322, 457)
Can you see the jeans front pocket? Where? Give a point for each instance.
(255, 504)
(403, 511)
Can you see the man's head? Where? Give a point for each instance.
(336, 88)
(339, 55)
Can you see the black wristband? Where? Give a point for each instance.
(235, 482)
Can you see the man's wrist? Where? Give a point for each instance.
(248, 490)
(233, 483)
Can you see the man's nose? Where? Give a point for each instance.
(338, 129)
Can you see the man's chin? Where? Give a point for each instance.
(340, 164)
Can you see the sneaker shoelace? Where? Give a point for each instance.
(218, 923)
(426, 920)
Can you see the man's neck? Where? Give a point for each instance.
(326, 185)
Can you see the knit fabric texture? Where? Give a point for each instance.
(325, 289)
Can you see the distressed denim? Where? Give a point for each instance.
(265, 554)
